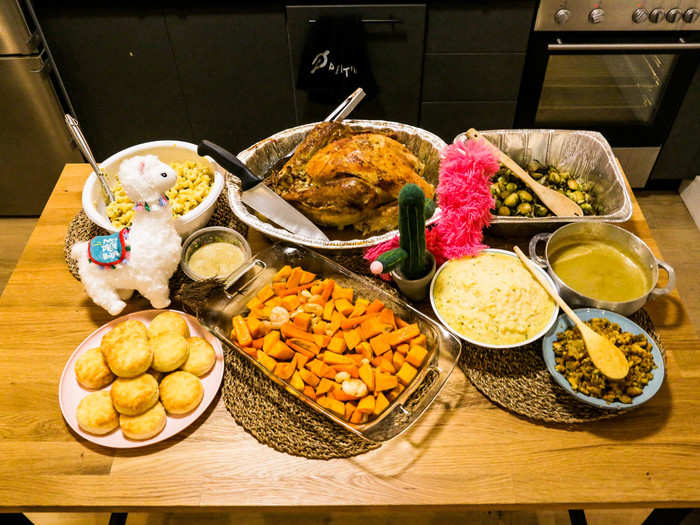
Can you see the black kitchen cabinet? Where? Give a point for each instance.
(119, 70)
(395, 54)
(233, 67)
(474, 59)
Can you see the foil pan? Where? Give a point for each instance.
(264, 155)
(586, 154)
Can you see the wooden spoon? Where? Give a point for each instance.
(559, 204)
(606, 357)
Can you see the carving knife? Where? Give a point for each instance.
(258, 196)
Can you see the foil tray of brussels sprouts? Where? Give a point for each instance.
(579, 164)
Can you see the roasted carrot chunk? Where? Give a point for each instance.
(281, 351)
(265, 293)
(367, 376)
(254, 325)
(420, 340)
(258, 343)
(342, 293)
(380, 404)
(306, 277)
(406, 373)
(296, 381)
(294, 277)
(400, 322)
(240, 327)
(290, 302)
(360, 307)
(337, 345)
(283, 273)
(375, 306)
(270, 339)
(309, 391)
(327, 290)
(284, 370)
(328, 310)
(344, 306)
(387, 317)
(332, 358)
(266, 361)
(309, 377)
(416, 355)
(397, 360)
(384, 381)
(366, 405)
(352, 338)
(403, 334)
(302, 320)
(380, 344)
(326, 385)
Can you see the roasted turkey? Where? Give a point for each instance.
(339, 177)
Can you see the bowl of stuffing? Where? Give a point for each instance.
(568, 362)
(192, 199)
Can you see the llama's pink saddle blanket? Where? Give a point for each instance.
(109, 250)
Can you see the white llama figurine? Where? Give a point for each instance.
(152, 244)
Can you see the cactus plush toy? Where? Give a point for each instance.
(411, 256)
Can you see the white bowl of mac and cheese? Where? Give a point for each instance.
(192, 199)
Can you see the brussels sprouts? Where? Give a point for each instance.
(504, 210)
(525, 196)
(512, 200)
(524, 208)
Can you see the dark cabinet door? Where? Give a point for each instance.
(119, 70)
(234, 72)
(395, 54)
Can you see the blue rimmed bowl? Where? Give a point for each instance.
(586, 314)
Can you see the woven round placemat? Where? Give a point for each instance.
(518, 380)
(81, 228)
(278, 419)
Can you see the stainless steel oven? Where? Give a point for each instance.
(622, 68)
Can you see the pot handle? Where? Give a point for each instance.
(656, 292)
(533, 248)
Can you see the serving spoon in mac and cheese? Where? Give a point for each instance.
(77, 133)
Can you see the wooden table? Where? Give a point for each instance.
(464, 453)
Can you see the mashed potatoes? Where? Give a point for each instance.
(193, 184)
(492, 299)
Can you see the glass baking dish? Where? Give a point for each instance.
(230, 299)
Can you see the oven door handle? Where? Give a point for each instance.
(681, 45)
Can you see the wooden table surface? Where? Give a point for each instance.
(464, 453)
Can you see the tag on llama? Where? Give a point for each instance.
(109, 250)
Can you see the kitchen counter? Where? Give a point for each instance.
(464, 453)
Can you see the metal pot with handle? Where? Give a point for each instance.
(615, 236)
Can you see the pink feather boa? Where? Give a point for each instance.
(465, 202)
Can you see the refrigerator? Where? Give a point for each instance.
(34, 141)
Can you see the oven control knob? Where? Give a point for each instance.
(562, 16)
(640, 15)
(691, 15)
(596, 16)
(673, 15)
(656, 15)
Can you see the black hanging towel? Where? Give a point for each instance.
(335, 62)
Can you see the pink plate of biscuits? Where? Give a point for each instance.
(71, 392)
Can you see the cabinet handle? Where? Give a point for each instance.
(391, 21)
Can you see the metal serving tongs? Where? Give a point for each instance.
(77, 133)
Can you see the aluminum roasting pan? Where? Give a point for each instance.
(586, 154)
(263, 156)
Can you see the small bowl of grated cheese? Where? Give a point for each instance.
(192, 199)
(492, 300)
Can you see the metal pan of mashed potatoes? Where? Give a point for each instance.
(491, 300)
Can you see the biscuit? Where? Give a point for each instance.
(134, 395)
(145, 425)
(96, 414)
(170, 351)
(168, 322)
(181, 392)
(92, 371)
(126, 349)
(202, 357)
